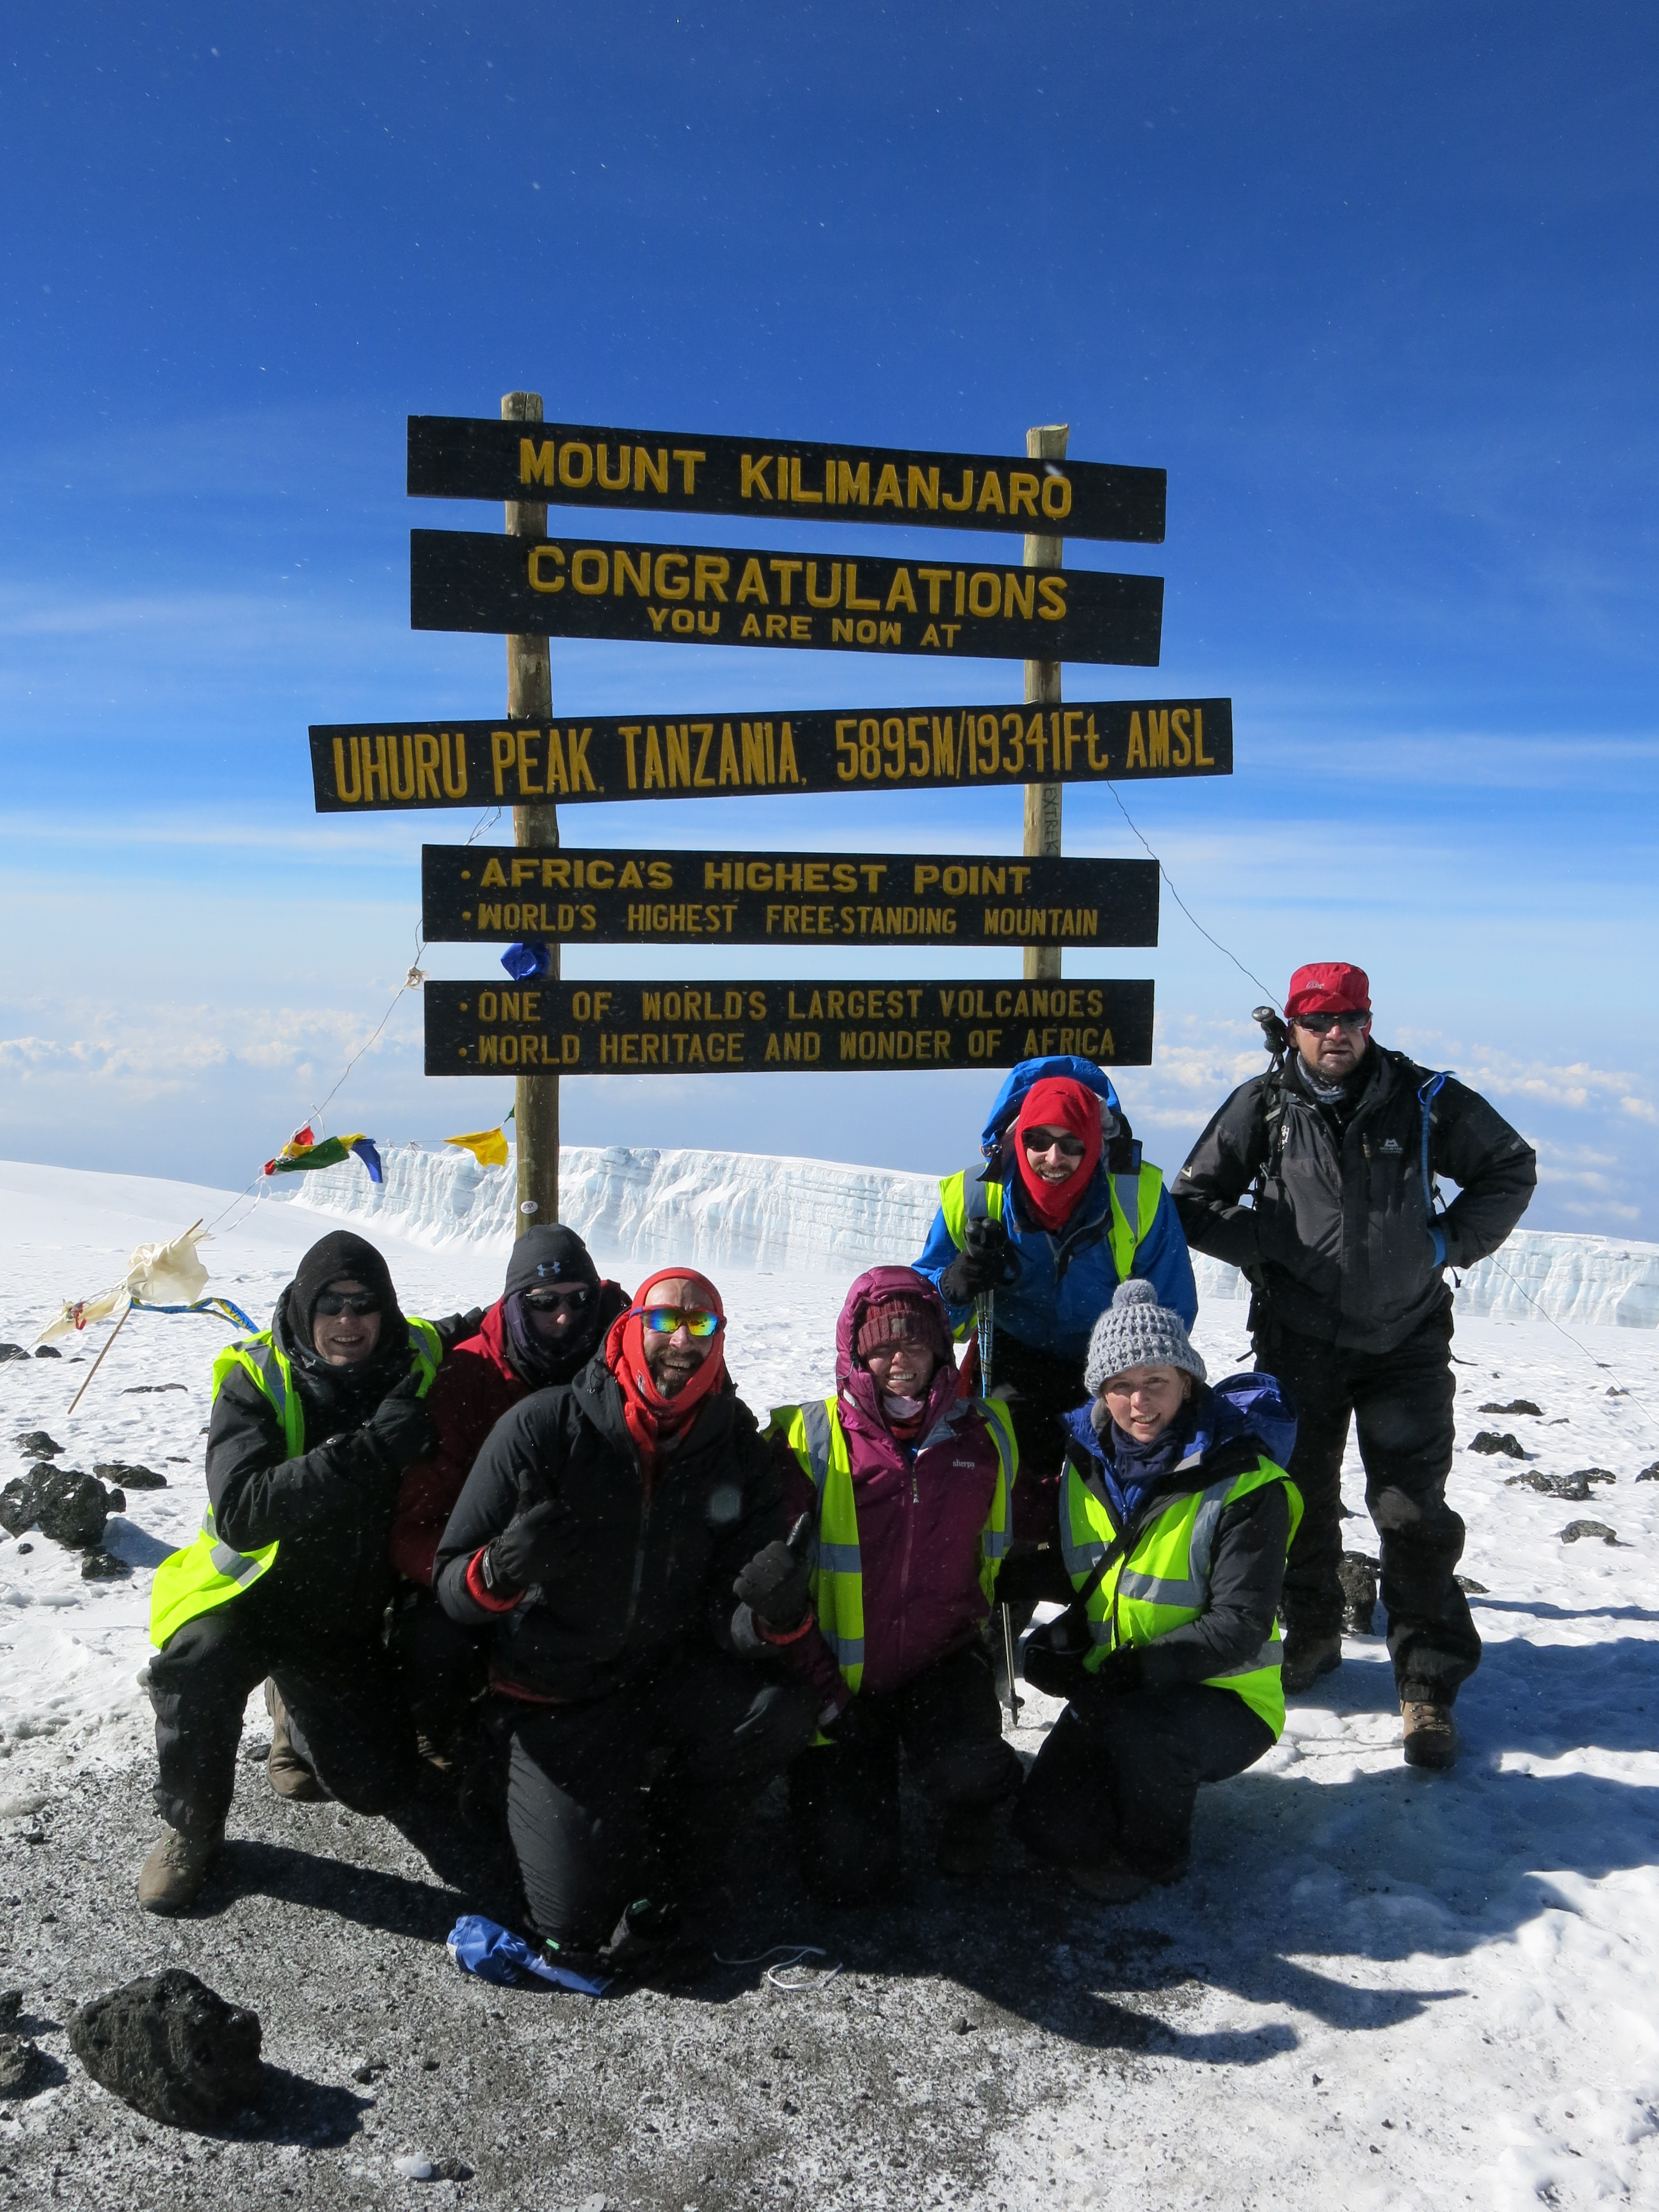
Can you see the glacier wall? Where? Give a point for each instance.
(755, 1210)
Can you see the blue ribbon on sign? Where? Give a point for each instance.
(523, 962)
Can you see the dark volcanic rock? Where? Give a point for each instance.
(47, 1351)
(11, 2008)
(148, 1389)
(12, 1351)
(1489, 1441)
(130, 1477)
(1575, 1488)
(17, 1505)
(35, 1443)
(1468, 1584)
(21, 2068)
(1358, 1575)
(101, 1566)
(1575, 1531)
(69, 1506)
(1649, 1473)
(171, 2047)
(1517, 1405)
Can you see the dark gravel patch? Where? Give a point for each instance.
(957, 2010)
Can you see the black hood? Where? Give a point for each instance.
(342, 1390)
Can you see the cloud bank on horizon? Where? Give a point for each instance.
(1391, 350)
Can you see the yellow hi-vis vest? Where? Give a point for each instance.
(210, 1572)
(815, 1434)
(963, 1197)
(1164, 1578)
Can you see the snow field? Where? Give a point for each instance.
(1398, 1989)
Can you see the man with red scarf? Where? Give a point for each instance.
(1058, 1211)
(599, 1534)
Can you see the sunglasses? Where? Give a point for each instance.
(664, 1320)
(360, 1303)
(1069, 1148)
(558, 1301)
(1318, 1024)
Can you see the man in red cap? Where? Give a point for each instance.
(1337, 1147)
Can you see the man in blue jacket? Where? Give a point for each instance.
(1059, 1209)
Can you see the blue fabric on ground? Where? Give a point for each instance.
(496, 1955)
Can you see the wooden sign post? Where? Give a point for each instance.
(1045, 443)
(530, 698)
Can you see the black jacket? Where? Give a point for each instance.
(651, 1565)
(1338, 1243)
(330, 1509)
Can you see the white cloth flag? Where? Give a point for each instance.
(159, 1275)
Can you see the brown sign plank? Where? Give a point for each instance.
(359, 767)
(470, 580)
(721, 1028)
(675, 472)
(484, 894)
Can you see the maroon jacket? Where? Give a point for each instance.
(920, 1510)
(476, 1385)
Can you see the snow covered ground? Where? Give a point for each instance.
(1394, 1990)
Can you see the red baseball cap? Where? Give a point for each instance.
(1328, 987)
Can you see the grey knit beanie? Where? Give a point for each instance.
(1135, 1331)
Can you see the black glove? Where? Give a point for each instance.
(534, 1549)
(985, 1262)
(851, 1730)
(400, 1427)
(776, 1585)
(1119, 1674)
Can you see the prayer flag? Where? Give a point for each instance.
(487, 1146)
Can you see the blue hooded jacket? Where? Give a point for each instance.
(1066, 1282)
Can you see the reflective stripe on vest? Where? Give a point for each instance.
(966, 1197)
(815, 1434)
(210, 1573)
(1165, 1580)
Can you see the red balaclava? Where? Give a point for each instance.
(652, 1417)
(1057, 1102)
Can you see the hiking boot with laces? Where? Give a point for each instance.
(1431, 1736)
(1306, 1658)
(171, 1878)
(291, 1776)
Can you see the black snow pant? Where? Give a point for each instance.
(636, 1795)
(442, 1668)
(1122, 1774)
(844, 1799)
(343, 1695)
(1401, 1404)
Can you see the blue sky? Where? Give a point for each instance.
(1374, 282)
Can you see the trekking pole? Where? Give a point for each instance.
(984, 1315)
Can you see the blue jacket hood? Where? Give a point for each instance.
(1249, 1405)
(1005, 1111)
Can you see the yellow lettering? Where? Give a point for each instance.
(535, 462)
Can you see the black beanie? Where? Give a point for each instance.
(544, 1257)
(342, 1256)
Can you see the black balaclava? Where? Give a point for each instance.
(549, 1259)
(343, 1255)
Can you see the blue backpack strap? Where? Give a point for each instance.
(1427, 1093)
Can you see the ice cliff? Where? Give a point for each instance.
(752, 1210)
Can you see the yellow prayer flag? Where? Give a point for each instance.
(487, 1146)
